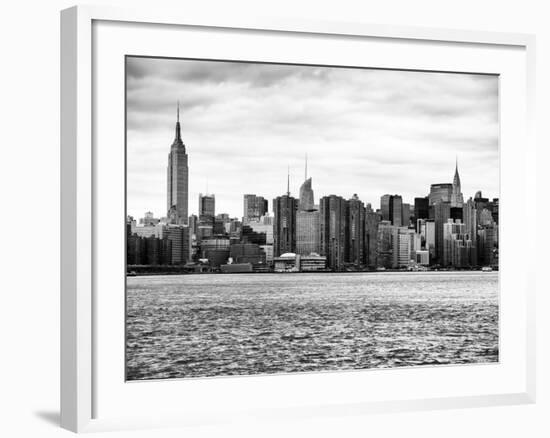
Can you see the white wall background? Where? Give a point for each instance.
(29, 215)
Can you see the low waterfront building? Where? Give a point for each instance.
(215, 249)
(268, 251)
(313, 262)
(248, 253)
(217, 257)
(219, 242)
(291, 262)
(235, 268)
(287, 262)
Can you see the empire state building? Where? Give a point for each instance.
(178, 179)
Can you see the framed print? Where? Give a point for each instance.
(266, 219)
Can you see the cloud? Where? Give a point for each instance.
(365, 131)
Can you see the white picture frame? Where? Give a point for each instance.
(83, 367)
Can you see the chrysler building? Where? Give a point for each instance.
(457, 200)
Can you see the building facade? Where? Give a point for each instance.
(440, 193)
(442, 212)
(372, 220)
(458, 250)
(207, 205)
(307, 232)
(356, 232)
(284, 224)
(332, 224)
(421, 208)
(254, 207)
(391, 207)
(180, 243)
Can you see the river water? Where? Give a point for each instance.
(239, 324)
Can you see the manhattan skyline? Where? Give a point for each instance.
(359, 137)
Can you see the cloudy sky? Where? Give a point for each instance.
(365, 131)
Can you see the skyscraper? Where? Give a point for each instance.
(470, 221)
(284, 223)
(372, 220)
(332, 222)
(442, 212)
(207, 205)
(307, 232)
(440, 193)
(207, 214)
(487, 245)
(457, 200)
(405, 239)
(254, 207)
(385, 207)
(421, 209)
(177, 179)
(307, 220)
(406, 215)
(458, 249)
(391, 207)
(397, 210)
(180, 243)
(307, 200)
(356, 232)
(387, 245)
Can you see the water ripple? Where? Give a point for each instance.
(211, 325)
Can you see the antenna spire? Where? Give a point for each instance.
(178, 127)
(288, 182)
(306, 166)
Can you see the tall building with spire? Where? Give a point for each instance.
(457, 200)
(178, 179)
(307, 220)
(307, 201)
(284, 222)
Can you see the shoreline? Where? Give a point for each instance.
(387, 271)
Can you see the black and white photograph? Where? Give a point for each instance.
(286, 218)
